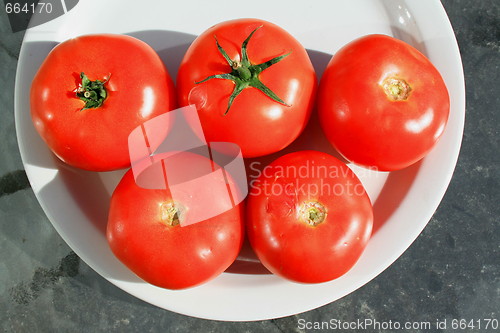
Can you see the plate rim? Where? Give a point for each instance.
(125, 286)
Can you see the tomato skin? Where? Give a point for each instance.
(284, 243)
(139, 89)
(172, 257)
(255, 122)
(366, 126)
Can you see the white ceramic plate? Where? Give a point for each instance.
(76, 202)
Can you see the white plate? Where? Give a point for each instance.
(76, 202)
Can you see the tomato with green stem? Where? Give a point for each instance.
(252, 83)
(92, 91)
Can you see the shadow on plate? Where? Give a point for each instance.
(395, 188)
(170, 46)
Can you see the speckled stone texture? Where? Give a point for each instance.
(450, 272)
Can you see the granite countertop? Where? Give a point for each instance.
(452, 270)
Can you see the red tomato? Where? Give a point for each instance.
(309, 217)
(382, 103)
(144, 230)
(260, 88)
(86, 118)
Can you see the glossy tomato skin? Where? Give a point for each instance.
(277, 231)
(172, 257)
(362, 122)
(139, 88)
(255, 122)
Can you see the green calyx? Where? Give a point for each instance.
(92, 93)
(244, 74)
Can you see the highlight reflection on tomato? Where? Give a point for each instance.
(382, 103)
(308, 217)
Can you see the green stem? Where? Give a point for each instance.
(244, 74)
(92, 93)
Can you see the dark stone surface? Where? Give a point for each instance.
(450, 272)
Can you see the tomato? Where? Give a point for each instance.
(252, 83)
(92, 91)
(308, 217)
(382, 103)
(145, 230)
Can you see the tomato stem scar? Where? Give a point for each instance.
(171, 213)
(312, 213)
(396, 89)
